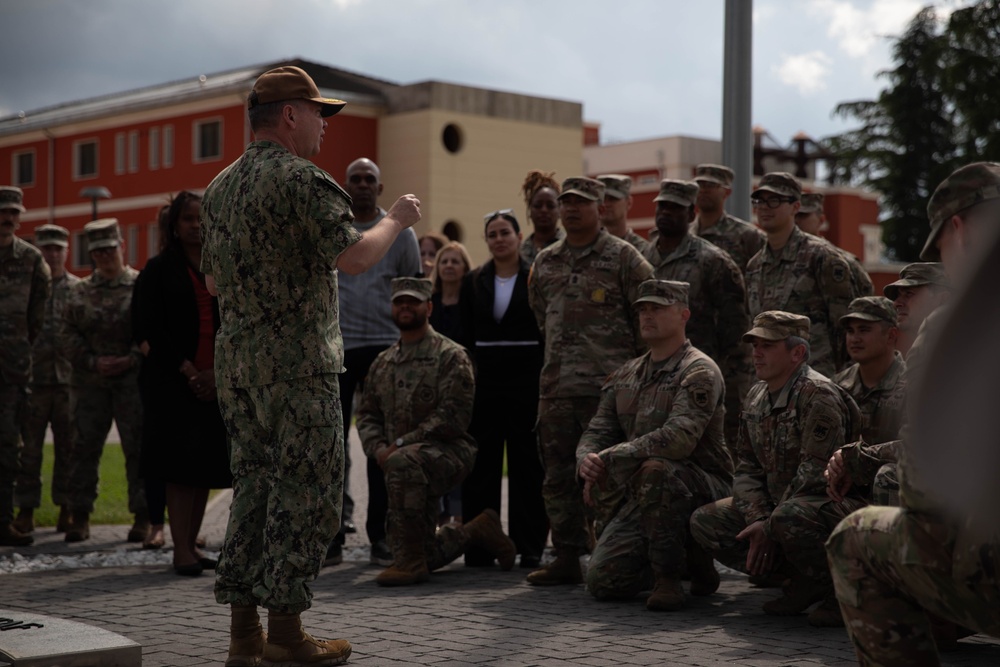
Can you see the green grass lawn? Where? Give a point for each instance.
(112, 491)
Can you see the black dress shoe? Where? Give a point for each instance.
(530, 562)
(207, 563)
(189, 570)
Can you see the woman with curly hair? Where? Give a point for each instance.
(541, 197)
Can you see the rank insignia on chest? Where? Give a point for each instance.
(598, 295)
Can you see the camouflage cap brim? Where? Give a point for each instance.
(420, 296)
(764, 333)
(673, 199)
(580, 193)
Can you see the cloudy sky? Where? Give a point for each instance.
(641, 68)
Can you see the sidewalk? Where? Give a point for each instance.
(463, 616)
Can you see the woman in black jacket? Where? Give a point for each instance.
(500, 331)
(184, 438)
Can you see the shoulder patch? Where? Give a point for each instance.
(839, 272)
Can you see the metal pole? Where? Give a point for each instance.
(737, 139)
(93, 208)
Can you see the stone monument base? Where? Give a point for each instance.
(34, 640)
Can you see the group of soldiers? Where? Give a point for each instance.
(68, 361)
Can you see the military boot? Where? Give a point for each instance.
(12, 537)
(410, 562)
(668, 594)
(140, 528)
(827, 614)
(289, 645)
(798, 595)
(25, 521)
(701, 568)
(80, 529)
(64, 521)
(565, 569)
(246, 637)
(486, 533)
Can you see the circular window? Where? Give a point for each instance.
(451, 137)
(453, 230)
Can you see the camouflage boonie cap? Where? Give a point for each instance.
(780, 183)
(588, 188)
(616, 185)
(11, 197)
(714, 173)
(418, 288)
(966, 186)
(51, 235)
(812, 202)
(684, 193)
(290, 83)
(102, 234)
(871, 309)
(778, 325)
(917, 275)
(663, 292)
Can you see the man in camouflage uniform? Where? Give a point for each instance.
(922, 288)
(49, 402)
(97, 336)
(581, 290)
(738, 238)
(797, 273)
(812, 220)
(657, 434)
(413, 421)
(276, 228)
(779, 515)
(717, 295)
(617, 202)
(875, 382)
(893, 567)
(25, 282)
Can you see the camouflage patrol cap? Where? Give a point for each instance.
(588, 188)
(780, 183)
(965, 187)
(51, 235)
(616, 185)
(714, 173)
(778, 325)
(102, 234)
(418, 288)
(290, 83)
(11, 197)
(684, 193)
(917, 275)
(871, 309)
(812, 202)
(663, 292)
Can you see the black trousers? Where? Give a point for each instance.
(357, 361)
(506, 416)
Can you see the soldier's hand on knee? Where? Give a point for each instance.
(763, 553)
(838, 483)
(593, 469)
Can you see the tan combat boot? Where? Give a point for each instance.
(288, 645)
(64, 521)
(409, 567)
(701, 568)
(80, 529)
(12, 537)
(565, 569)
(827, 614)
(25, 521)
(140, 528)
(486, 533)
(799, 593)
(668, 594)
(246, 637)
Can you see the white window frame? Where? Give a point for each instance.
(119, 153)
(154, 148)
(77, 147)
(168, 146)
(196, 139)
(133, 151)
(15, 167)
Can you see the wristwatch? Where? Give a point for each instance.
(399, 442)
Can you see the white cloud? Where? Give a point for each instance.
(806, 71)
(856, 30)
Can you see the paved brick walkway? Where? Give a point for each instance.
(463, 616)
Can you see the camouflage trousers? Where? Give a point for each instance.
(287, 460)
(891, 567)
(650, 532)
(95, 408)
(416, 476)
(13, 402)
(561, 423)
(47, 404)
(799, 525)
(885, 489)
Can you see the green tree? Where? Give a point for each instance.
(937, 112)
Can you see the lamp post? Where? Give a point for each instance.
(94, 193)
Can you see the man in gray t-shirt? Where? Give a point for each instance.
(367, 328)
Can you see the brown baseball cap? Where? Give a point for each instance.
(290, 83)
(778, 325)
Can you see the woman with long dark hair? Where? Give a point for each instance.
(184, 438)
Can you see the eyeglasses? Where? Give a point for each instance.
(771, 202)
(505, 213)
